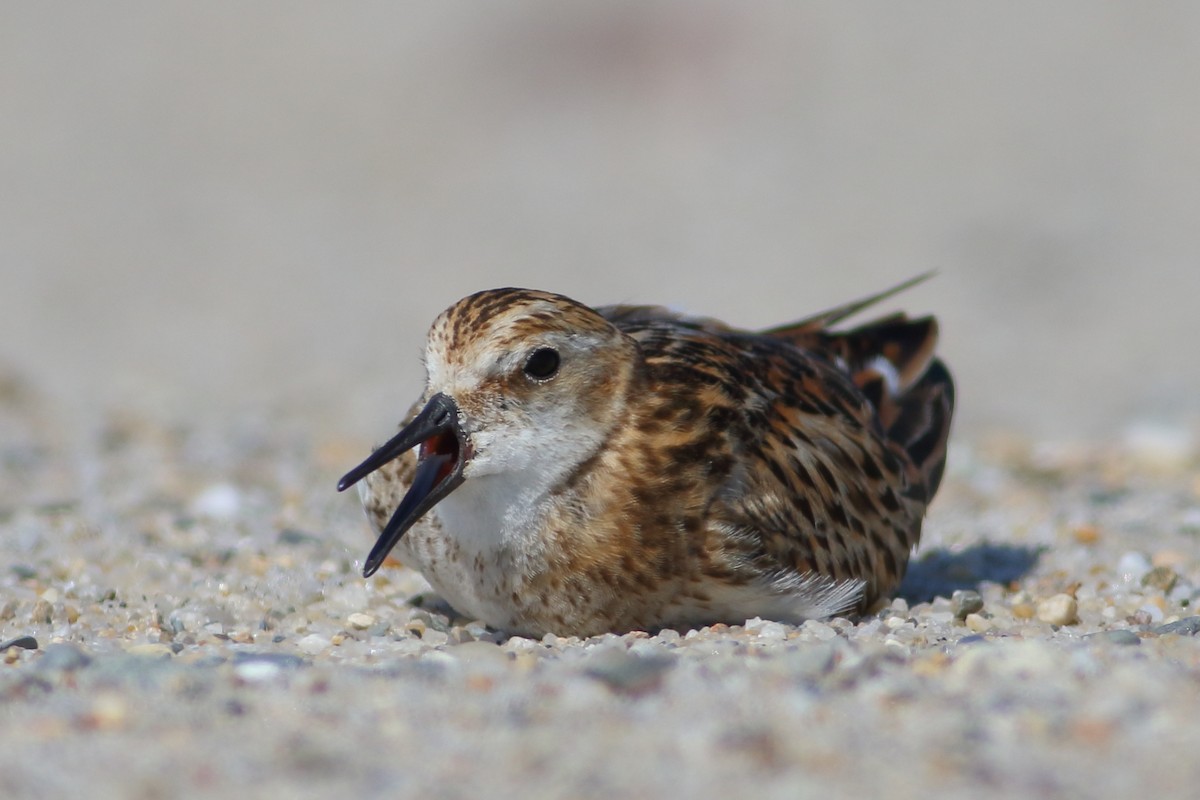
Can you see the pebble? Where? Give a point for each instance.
(281, 660)
(1061, 609)
(1132, 566)
(965, 602)
(360, 621)
(220, 501)
(773, 631)
(63, 656)
(813, 660)
(1162, 578)
(22, 642)
(43, 612)
(978, 623)
(313, 644)
(479, 653)
(153, 650)
(626, 673)
(1188, 626)
(1151, 613)
(108, 710)
(1120, 636)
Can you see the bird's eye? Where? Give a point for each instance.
(542, 363)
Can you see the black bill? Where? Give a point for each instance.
(439, 470)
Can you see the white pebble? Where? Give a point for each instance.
(1132, 567)
(978, 623)
(772, 630)
(219, 501)
(313, 644)
(360, 621)
(257, 671)
(1061, 609)
(434, 638)
(818, 630)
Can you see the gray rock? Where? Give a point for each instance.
(1188, 626)
(627, 673)
(964, 602)
(1118, 637)
(64, 657)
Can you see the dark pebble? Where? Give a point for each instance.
(964, 602)
(1188, 626)
(23, 642)
(293, 536)
(63, 656)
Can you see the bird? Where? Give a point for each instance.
(574, 471)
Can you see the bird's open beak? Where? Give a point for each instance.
(439, 471)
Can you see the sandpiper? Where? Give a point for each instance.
(580, 470)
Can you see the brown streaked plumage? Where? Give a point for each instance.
(587, 470)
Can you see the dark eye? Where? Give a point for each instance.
(542, 363)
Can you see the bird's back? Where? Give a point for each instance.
(823, 448)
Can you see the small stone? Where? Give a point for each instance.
(479, 653)
(1188, 626)
(1086, 534)
(50, 595)
(150, 650)
(772, 631)
(63, 656)
(1023, 610)
(813, 660)
(435, 638)
(293, 536)
(1132, 566)
(21, 642)
(313, 644)
(219, 501)
(1170, 558)
(1151, 613)
(1162, 578)
(1061, 609)
(9, 610)
(281, 660)
(1121, 637)
(978, 623)
(42, 612)
(966, 602)
(108, 710)
(257, 671)
(626, 673)
(360, 621)
(24, 572)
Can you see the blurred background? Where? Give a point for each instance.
(220, 209)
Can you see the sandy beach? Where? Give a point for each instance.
(225, 231)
